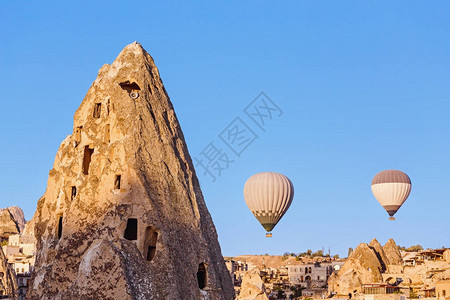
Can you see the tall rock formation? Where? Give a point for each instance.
(392, 253)
(379, 252)
(123, 216)
(362, 266)
(8, 285)
(8, 224)
(252, 286)
(18, 215)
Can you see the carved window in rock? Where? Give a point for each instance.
(77, 135)
(131, 229)
(202, 276)
(132, 88)
(117, 182)
(97, 110)
(73, 193)
(87, 159)
(151, 237)
(108, 107)
(60, 227)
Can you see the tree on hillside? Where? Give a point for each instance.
(414, 248)
(350, 250)
(318, 253)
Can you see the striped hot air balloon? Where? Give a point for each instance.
(268, 196)
(391, 188)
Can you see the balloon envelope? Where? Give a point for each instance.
(391, 188)
(268, 196)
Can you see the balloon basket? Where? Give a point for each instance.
(268, 235)
(392, 218)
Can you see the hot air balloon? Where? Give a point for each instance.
(268, 196)
(391, 188)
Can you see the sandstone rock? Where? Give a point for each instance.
(19, 217)
(28, 231)
(362, 266)
(8, 285)
(392, 253)
(252, 286)
(123, 216)
(379, 252)
(8, 225)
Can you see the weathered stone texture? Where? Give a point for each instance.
(379, 252)
(252, 286)
(392, 253)
(362, 266)
(19, 217)
(8, 225)
(126, 159)
(367, 264)
(8, 285)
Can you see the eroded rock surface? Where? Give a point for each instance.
(8, 285)
(123, 216)
(19, 217)
(379, 252)
(362, 266)
(8, 225)
(392, 253)
(252, 286)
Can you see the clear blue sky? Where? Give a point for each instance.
(364, 86)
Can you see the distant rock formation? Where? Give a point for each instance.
(8, 282)
(123, 215)
(365, 265)
(362, 266)
(19, 217)
(379, 252)
(252, 286)
(392, 253)
(8, 225)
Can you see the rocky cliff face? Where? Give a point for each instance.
(8, 285)
(123, 216)
(8, 225)
(392, 253)
(379, 252)
(19, 217)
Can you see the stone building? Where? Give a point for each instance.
(443, 289)
(310, 275)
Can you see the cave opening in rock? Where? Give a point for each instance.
(73, 193)
(151, 237)
(60, 227)
(87, 159)
(117, 182)
(97, 110)
(129, 86)
(202, 276)
(131, 230)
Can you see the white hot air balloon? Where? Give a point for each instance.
(268, 196)
(391, 188)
